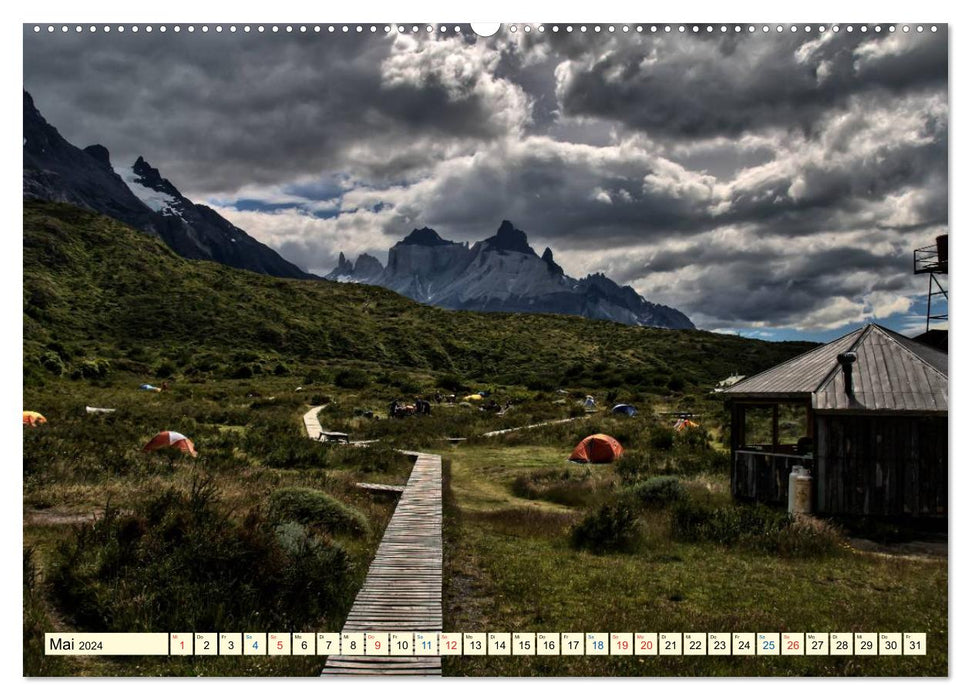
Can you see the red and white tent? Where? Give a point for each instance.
(170, 438)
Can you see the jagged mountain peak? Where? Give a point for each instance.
(58, 171)
(509, 238)
(487, 278)
(150, 177)
(550, 263)
(423, 236)
(99, 153)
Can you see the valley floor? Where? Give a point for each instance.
(511, 504)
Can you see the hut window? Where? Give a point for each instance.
(758, 426)
(778, 426)
(793, 423)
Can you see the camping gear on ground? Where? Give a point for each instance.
(589, 402)
(472, 397)
(598, 449)
(149, 387)
(684, 424)
(624, 409)
(170, 438)
(33, 419)
(93, 409)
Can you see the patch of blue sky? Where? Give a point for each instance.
(909, 324)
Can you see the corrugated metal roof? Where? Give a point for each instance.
(800, 375)
(891, 373)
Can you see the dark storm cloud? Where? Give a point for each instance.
(217, 111)
(709, 86)
(776, 179)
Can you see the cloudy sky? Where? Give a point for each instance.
(770, 184)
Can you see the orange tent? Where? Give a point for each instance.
(33, 418)
(170, 438)
(598, 449)
(684, 424)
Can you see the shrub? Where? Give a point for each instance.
(662, 438)
(808, 537)
(180, 562)
(290, 452)
(352, 379)
(315, 376)
(632, 465)
(93, 368)
(451, 382)
(311, 507)
(242, 372)
(53, 363)
(165, 369)
(610, 528)
(692, 437)
(657, 492)
(756, 527)
(281, 370)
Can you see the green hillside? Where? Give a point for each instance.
(100, 297)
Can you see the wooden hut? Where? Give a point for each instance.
(866, 414)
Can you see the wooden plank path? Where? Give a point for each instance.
(534, 425)
(391, 488)
(403, 588)
(312, 423)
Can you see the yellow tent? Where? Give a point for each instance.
(33, 418)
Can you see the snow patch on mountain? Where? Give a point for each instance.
(160, 202)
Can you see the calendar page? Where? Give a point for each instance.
(600, 349)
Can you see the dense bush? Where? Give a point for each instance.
(610, 528)
(662, 438)
(165, 369)
(657, 491)
(52, 362)
(694, 521)
(180, 562)
(311, 507)
(451, 382)
(292, 452)
(692, 437)
(352, 379)
(754, 526)
(91, 368)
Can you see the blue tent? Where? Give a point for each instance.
(624, 408)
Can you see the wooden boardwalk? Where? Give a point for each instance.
(403, 588)
(383, 488)
(312, 423)
(493, 433)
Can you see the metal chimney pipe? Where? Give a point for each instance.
(846, 360)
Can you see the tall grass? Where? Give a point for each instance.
(179, 562)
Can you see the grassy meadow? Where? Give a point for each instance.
(266, 530)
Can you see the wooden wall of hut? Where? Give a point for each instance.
(763, 477)
(881, 465)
